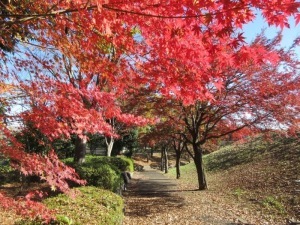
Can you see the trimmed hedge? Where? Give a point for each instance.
(130, 163)
(92, 206)
(102, 171)
(103, 176)
(122, 163)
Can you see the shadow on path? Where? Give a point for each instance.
(151, 192)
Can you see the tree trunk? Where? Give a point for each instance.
(200, 169)
(166, 162)
(110, 144)
(178, 164)
(179, 145)
(151, 152)
(162, 158)
(80, 150)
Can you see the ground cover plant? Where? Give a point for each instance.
(93, 206)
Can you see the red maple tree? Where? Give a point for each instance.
(250, 98)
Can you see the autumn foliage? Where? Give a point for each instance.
(75, 63)
(255, 96)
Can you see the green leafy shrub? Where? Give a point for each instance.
(92, 206)
(7, 173)
(102, 171)
(4, 166)
(103, 176)
(118, 163)
(129, 163)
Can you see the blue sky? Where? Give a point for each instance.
(289, 34)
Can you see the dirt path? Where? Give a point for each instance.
(152, 198)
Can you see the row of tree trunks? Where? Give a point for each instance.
(80, 151)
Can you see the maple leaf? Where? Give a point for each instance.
(208, 18)
(53, 188)
(297, 19)
(196, 29)
(219, 85)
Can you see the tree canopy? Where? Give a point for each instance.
(75, 62)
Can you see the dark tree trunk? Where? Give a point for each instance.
(199, 166)
(178, 164)
(151, 152)
(80, 150)
(166, 162)
(162, 160)
(179, 146)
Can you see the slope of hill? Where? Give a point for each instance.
(259, 176)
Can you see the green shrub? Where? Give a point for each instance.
(118, 163)
(129, 163)
(103, 176)
(102, 171)
(93, 206)
(68, 161)
(7, 173)
(4, 166)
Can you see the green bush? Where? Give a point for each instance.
(92, 206)
(129, 163)
(102, 171)
(103, 176)
(7, 173)
(118, 163)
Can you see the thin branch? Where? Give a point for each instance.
(106, 6)
(189, 152)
